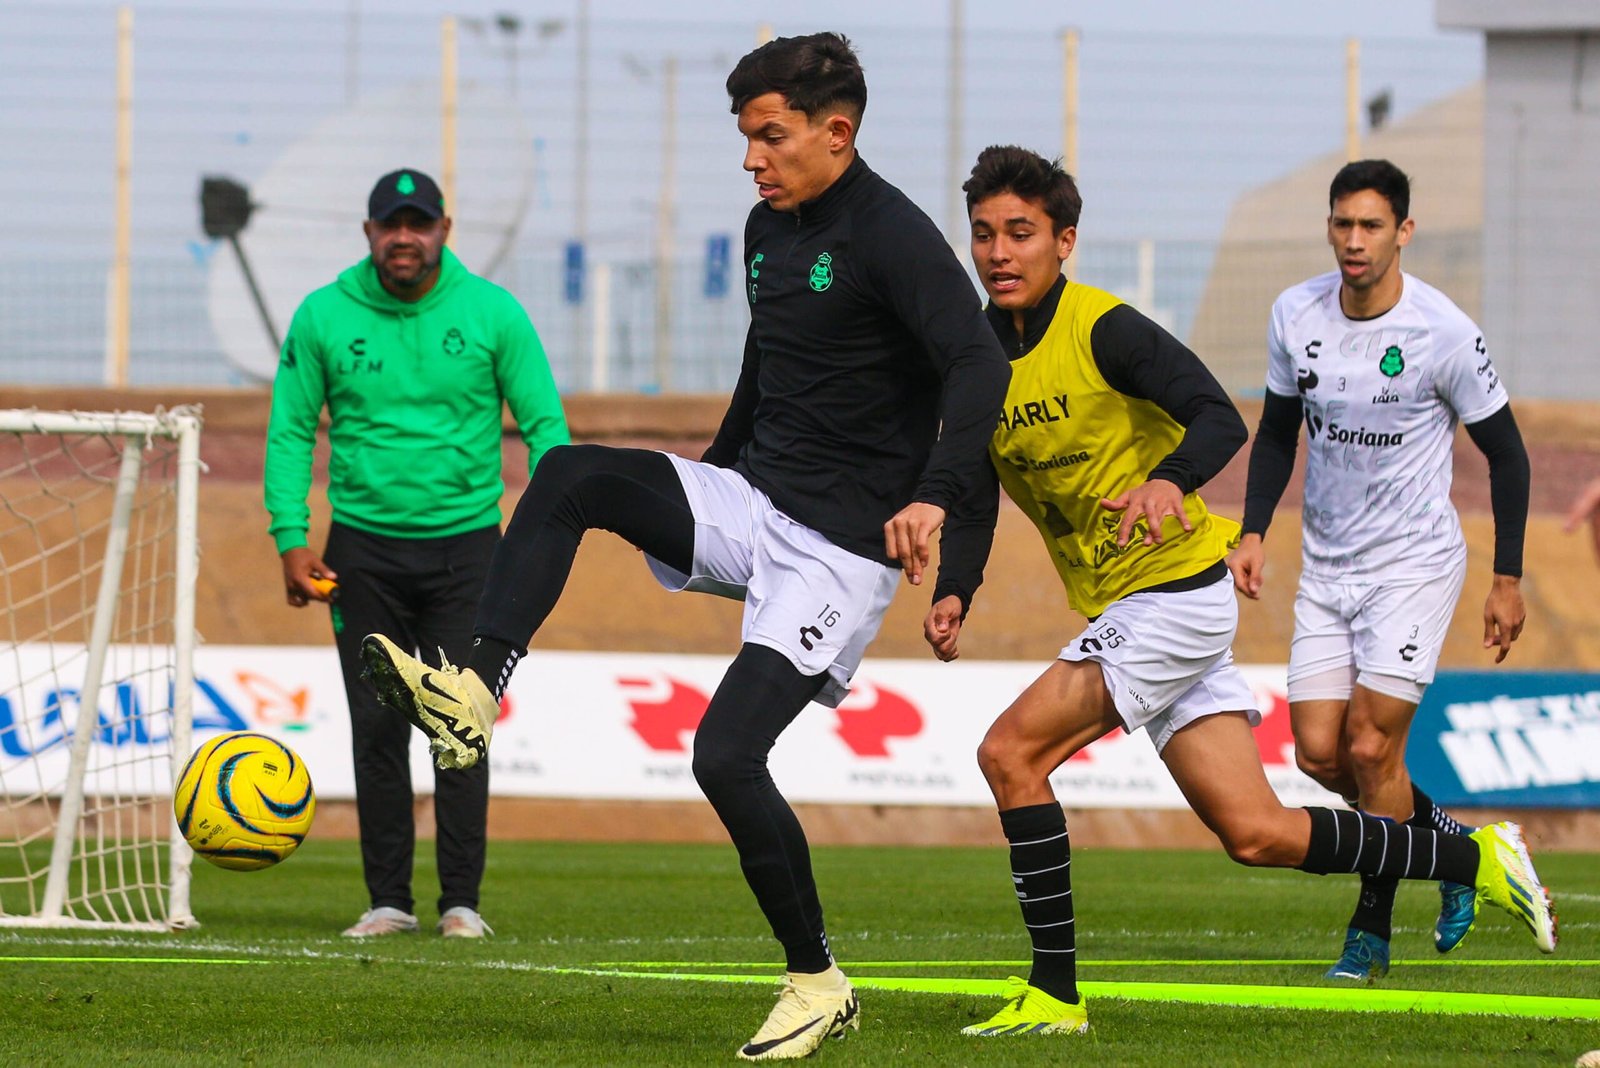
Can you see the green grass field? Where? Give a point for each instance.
(268, 980)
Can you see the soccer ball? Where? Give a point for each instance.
(244, 801)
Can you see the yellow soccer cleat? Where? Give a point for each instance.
(804, 1018)
(453, 708)
(1506, 878)
(1030, 1011)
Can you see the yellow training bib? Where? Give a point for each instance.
(1066, 439)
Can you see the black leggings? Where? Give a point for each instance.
(637, 494)
(631, 492)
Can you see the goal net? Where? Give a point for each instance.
(98, 561)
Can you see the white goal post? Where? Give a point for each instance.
(99, 558)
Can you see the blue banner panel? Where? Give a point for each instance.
(572, 273)
(1526, 739)
(718, 248)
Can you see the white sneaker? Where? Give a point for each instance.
(381, 921)
(810, 1009)
(462, 922)
(452, 707)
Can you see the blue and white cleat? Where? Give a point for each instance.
(1458, 909)
(1365, 958)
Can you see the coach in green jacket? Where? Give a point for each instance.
(412, 354)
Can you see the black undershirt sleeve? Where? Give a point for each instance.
(930, 294)
(1138, 358)
(1271, 460)
(966, 539)
(1498, 438)
(738, 422)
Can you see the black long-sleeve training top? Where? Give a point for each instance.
(870, 378)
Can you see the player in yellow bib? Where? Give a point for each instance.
(1110, 427)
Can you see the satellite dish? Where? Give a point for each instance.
(308, 207)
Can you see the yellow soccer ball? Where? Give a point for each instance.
(244, 801)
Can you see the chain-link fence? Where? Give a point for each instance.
(600, 181)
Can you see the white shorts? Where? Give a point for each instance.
(1392, 629)
(817, 604)
(1167, 658)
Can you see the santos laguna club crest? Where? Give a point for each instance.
(822, 272)
(1391, 364)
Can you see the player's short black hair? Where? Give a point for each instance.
(1010, 169)
(817, 74)
(1378, 175)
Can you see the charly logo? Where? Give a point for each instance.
(822, 272)
(454, 343)
(1391, 364)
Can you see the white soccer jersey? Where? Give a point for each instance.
(1382, 397)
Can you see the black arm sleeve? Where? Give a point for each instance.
(966, 539)
(1138, 358)
(1271, 460)
(1498, 438)
(931, 295)
(738, 422)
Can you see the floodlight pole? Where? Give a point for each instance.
(664, 221)
(1352, 99)
(955, 217)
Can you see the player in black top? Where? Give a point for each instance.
(870, 386)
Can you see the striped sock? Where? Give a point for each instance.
(494, 661)
(1041, 870)
(1424, 813)
(1356, 842)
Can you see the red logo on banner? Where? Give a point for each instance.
(1275, 736)
(871, 715)
(665, 712)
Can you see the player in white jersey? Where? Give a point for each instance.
(1380, 367)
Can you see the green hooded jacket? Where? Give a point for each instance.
(413, 392)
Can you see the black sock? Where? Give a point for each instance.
(1375, 907)
(1424, 813)
(493, 661)
(1041, 871)
(1356, 842)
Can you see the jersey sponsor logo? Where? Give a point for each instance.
(1311, 349)
(1388, 396)
(1306, 381)
(1050, 463)
(822, 272)
(1362, 436)
(1491, 381)
(358, 361)
(1408, 652)
(755, 273)
(1391, 363)
(454, 343)
(1031, 413)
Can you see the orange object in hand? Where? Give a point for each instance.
(327, 587)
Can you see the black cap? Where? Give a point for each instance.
(405, 189)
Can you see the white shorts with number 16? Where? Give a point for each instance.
(817, 604)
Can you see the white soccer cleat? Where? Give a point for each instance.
(453, 708)
(462, 922)
(385, 920)
(803, 1019)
